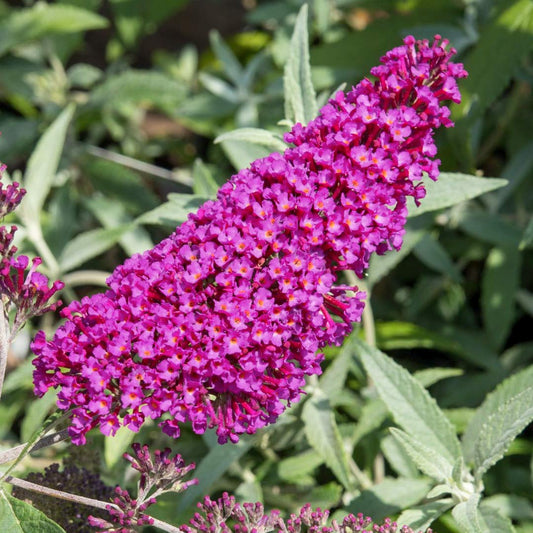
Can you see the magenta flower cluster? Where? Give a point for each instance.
(226, 515)
(220, 323)
(21, 285)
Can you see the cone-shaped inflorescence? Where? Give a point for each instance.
(220, 322)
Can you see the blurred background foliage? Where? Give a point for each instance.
(108, 113)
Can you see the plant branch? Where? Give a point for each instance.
(49, 440)
(67, 496)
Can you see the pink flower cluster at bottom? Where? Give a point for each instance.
(220, 323)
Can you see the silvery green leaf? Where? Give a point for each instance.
(494, 521)
(117, 445)
(468, 517)
(112, 214)
(389, 496)
(421, 517)
(324, 436)
(426, 459)
(231, 66)
(219, 87)
(430, 252)
(300, 98)
(430, 376)
(397, 457)
(299, 465)
(255, 136)
(451, 189)
(241, 153)
(506, 391)
(42, 166)
(381, 265)
(173, 212)
(203, 182)
(212, 467)
(510, 505)
(410, 404)
(501, 428)
(90, 244)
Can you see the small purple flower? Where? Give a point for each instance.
(221, 321)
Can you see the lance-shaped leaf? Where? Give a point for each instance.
(42, 166)
(451, 189)
(468, 517)
(324, 436)
(506, 391)
(300, 98)
(421, 517)
(501, 280)
(255, 136)
(501, 428)
(19, 517)
(410, 404)
(427, 460)
(494, 521)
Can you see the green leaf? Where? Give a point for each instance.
(468, 517)
(501, 279)
(495, 522)
(397, 457)
(17, 516)
(516, 170)
(430, 376)
(89, 244)
(116, 446)
(525, 299)
(451, 189)
(420, 518)
(430, 252)
(297, 466)
(498, 54)
(147, 88)
(203, 182)
(527, 237)
(300, 98)
(173, 212)
(490, 228)
(211, 468)
(505, 392)
(381, 265)
(324, 436)
(242, 153)
(112, 214)
(510, 505)
(44, 19)
(42, 166)
(501, 428)
(36, 414)
(255, 136)
(231, 66)
(410, 404)
(334, 376)
(389, 497)
(395, 335)
(427, 460)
